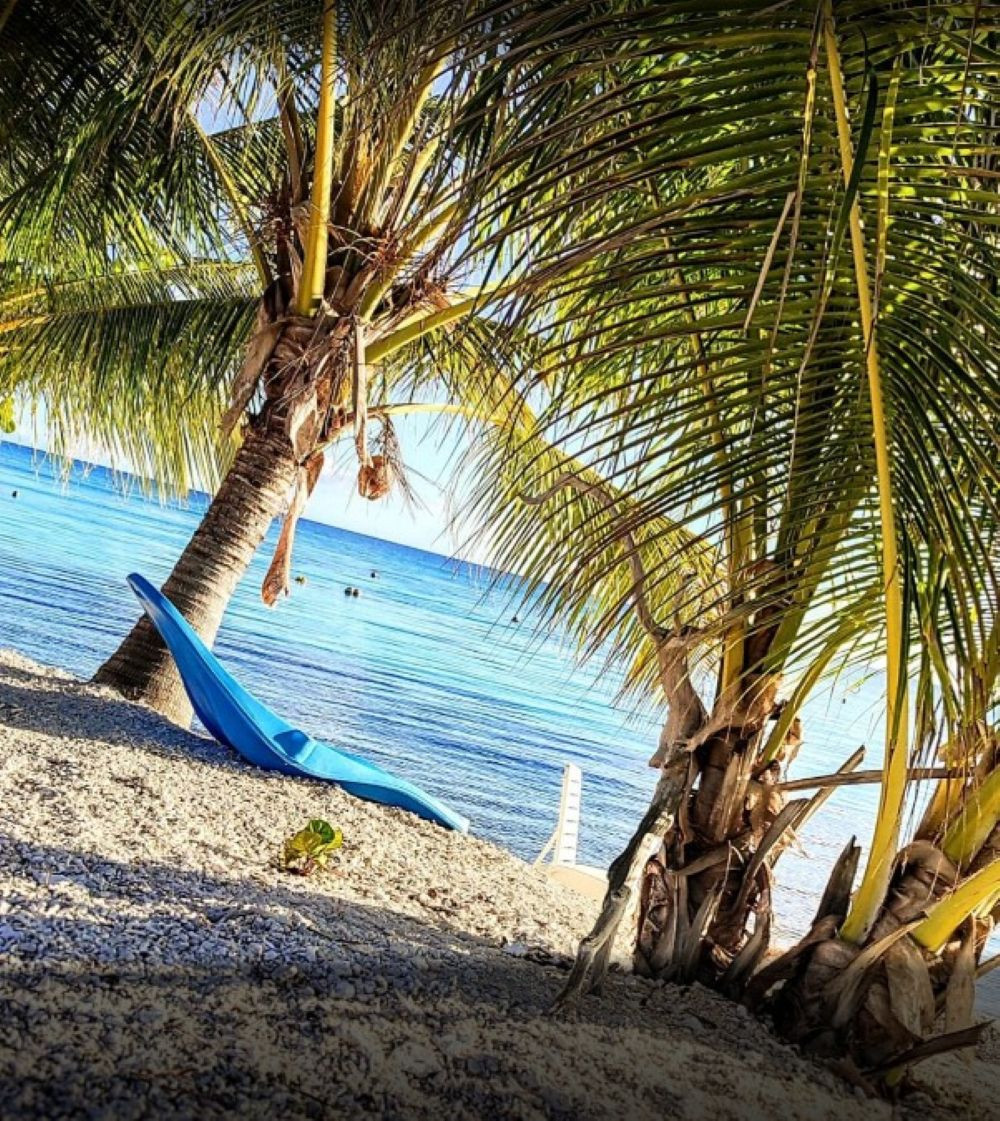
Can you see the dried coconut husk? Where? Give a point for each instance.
(720, 800)
(923, 875)
(764, 803)
(375, 479)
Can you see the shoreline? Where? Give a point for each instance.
(157, 963)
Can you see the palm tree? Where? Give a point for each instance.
(878, 973)
(781, 371)
(113, 310)
(66, 337)
(384, 174)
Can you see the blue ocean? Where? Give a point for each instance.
(425, 672)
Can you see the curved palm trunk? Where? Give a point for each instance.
(212, 564)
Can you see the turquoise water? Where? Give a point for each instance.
(424, 673)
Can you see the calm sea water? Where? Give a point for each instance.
(425, 673)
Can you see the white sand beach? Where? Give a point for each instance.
(155, 962)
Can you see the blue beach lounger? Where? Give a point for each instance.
(237, 719)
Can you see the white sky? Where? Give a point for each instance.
(431, 453)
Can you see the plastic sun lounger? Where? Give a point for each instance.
(240, 721)
(564, 841)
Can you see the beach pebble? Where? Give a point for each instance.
(417, 1059)
(515, 949)
(482, 1064)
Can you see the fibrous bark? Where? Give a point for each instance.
(887, 1002)
(207, 572)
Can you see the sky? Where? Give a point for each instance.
(431, 452)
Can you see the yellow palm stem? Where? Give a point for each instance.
(948, 915)
(871, 894)
(975, 822)
(416, 408)
(409, 408)
(313, 278)
(417, 328)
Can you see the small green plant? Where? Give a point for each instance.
(311, 848)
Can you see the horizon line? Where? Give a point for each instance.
(167, 497)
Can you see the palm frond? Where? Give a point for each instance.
(135, 363)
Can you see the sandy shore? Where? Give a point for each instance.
(154, 962)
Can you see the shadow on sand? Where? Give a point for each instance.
(132, 988)
(182, 994)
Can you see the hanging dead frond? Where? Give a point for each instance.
(375, 478)
(277, 581)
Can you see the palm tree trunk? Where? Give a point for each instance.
(712, 810)
(212, 564)
(701, 887)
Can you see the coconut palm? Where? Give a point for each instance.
(113, 306)
(384, 174)
(796, 368)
